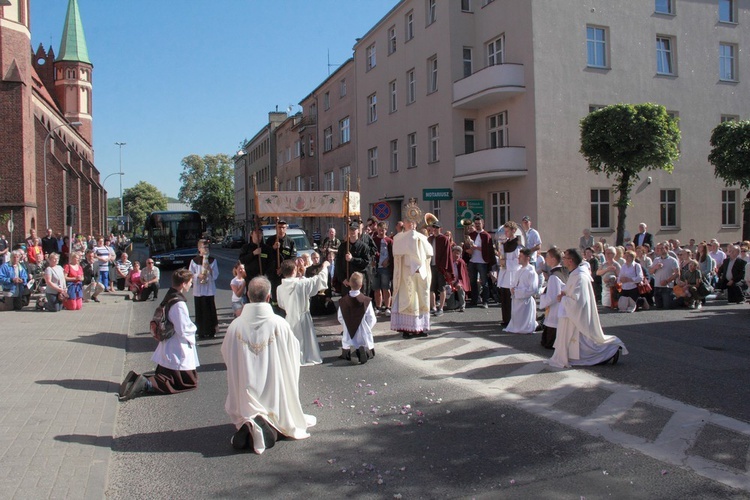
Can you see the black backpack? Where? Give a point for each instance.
(161, 328)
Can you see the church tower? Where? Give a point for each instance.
(73, 73)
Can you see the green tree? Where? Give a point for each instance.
(208, 187)
(622, 140)
(141, 200)
(730, 153)
(113, 207)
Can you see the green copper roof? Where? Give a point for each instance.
(73, 45)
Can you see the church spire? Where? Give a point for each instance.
(73, 44)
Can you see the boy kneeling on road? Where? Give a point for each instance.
(357, 315)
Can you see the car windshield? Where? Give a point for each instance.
(300, 242)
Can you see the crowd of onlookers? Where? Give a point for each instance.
(66, 274)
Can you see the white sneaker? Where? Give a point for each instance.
(387, 311)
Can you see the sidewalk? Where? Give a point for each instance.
(61, 373)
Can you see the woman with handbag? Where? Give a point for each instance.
(74, 278)
(630, 276)
(57, 288)
(609, 271)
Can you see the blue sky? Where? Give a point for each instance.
(179, 77)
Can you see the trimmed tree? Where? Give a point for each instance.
(141, 200)
(622, 140)
(730, 153)
(208, 186)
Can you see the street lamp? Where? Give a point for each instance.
(105, 201)
(120, 144)
(49, 134)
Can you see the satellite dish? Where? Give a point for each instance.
(289, 109)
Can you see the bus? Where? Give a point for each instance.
(172, 236)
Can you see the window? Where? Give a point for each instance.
(499, 209)
(469, 144)
(344, 131)
(409, 20)
(372, 108)
(297, 148)
(465, 5)
(729, 207)
(411, 139)
(727, 62)
(345, 178)
(664, 7)
(729, 118)
(328, 139)
(431, 11)
(596, 44)
(432, 74)
(727, 11)
(436, 208)
(411, 87)
(391, 40)
(393, 96)
(372, 162)
(668, 208)
(328, 180)
(394, 155)
(600, 209)
(311, 183)
(434, 135)
(311, 145)
(498, 129)
(664, 56)
(495, 51)
(370, 57)
(468, 67)
(342, 88)
(300, 184)
(326, 100)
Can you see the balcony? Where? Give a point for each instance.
(489, 86)
(490, 164)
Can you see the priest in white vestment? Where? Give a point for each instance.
(580, 339)
(525, 286)
(410, 313)
(357, 317)
(262, 358)
(293, 296)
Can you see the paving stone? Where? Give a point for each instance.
(644, 420)
(722, 445)
(501, 369)
(583, 401)
(460, 360)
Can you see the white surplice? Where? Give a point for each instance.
(580, 339)
(523, 312)
(294, 296)
(549, 300)
(262, 358)
(363, 335)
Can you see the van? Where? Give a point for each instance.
(301, 241)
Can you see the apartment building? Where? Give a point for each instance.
(257, 159)
(473, 106)
(328, 122)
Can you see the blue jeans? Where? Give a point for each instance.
(663, 298)
(104, 277)
(480, 269)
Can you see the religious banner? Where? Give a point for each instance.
(306, 203)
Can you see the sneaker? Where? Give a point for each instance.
(463, 309)
(439, 312)
(387, 311)
(378, 312)
(432, 312)
(485, 305)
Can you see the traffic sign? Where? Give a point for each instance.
(467, 209)
(10, 225)
(381, 210)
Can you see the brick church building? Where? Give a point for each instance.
(46, 131)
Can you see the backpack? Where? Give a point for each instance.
(161, 328)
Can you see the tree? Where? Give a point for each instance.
(208, 187)
(622, 140)
(730, 153)
(141, 200)
(113, 207)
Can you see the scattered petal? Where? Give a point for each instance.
(375, 423)
(420, 413)
(318, 403)
(605, 473)
(385, 383)
(512, 481)
(380, 481)
(371, 393)
(402, 469)
(332, 461)
(420, 422)
(447, 411)
(397, 495)
(664, 472)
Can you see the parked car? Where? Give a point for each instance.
(232, 241)
(301, 241)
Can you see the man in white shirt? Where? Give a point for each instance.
(664, 270)
(532, 238)
(717, 254)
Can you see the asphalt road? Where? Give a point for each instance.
(389, 429)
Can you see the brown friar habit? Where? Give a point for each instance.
(353, 310)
